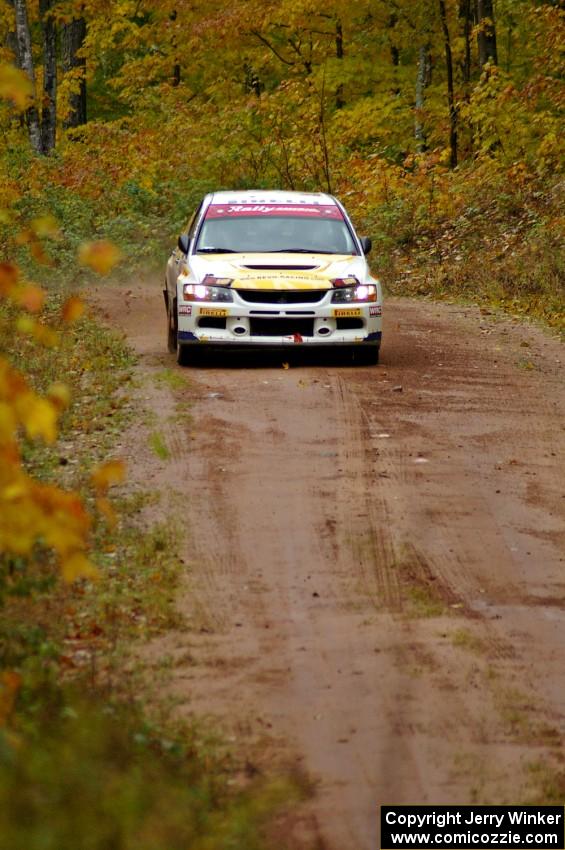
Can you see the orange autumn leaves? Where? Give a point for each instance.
(100, 256)
(34, 514)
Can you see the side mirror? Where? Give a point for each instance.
(366, 244)
(184, 243)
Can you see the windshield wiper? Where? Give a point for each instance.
(216, 251)
(299, 251)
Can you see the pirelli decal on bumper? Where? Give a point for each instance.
(347, 312)
(214, 311)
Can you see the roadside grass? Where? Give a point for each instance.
(504, 249)
(522, 720)
(549, 782)
(526, 365)
(422, 602)
(86, 757)
(422, 593)
(158, 446)
(463, 638)
(85, 771)
(172, 379)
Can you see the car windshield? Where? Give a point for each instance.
(270, 233)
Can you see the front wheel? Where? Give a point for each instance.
(183, 354)
(171, 328)
(366, 355)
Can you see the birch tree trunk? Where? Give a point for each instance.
(26, 62)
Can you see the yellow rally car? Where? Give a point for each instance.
(272, 269)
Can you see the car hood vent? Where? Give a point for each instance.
(295, 268)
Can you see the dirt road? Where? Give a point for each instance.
(375, 585)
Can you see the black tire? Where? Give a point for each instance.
(171, 328)
(366, 355)
(183, 354)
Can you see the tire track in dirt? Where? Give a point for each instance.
(364, 606)
(363, 506)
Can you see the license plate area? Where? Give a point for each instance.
(214, 311)
(347, 313)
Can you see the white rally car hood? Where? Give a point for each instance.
(279, 271)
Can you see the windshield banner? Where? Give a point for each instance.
(259, 210)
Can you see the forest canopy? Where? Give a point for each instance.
(437, 121)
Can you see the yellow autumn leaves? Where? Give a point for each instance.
(15, 86)
(34, 514)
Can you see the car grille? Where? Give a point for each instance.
(212, 322)
(282, 296)
(348, 324)
(281, 327)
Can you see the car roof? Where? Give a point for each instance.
(272, 196)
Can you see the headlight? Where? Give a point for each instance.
(203, 292)
(350, 294)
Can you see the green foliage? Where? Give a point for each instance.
(88, 774)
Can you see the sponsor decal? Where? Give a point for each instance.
(347, 312)
(282, 280)
(375, 310)
(294, 210)
(280, 276)
(214, 311)
(185, 309)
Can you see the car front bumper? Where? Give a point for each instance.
(267, 325)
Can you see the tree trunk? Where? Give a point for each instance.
(465, 16)
(394, 52)
(486, 36)
(72, 40)
(49, 106)
(423, 80)
(26, 63)
(176, 62)
(509, 33)
(450, 89)
(339, 101)
(252, 82)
